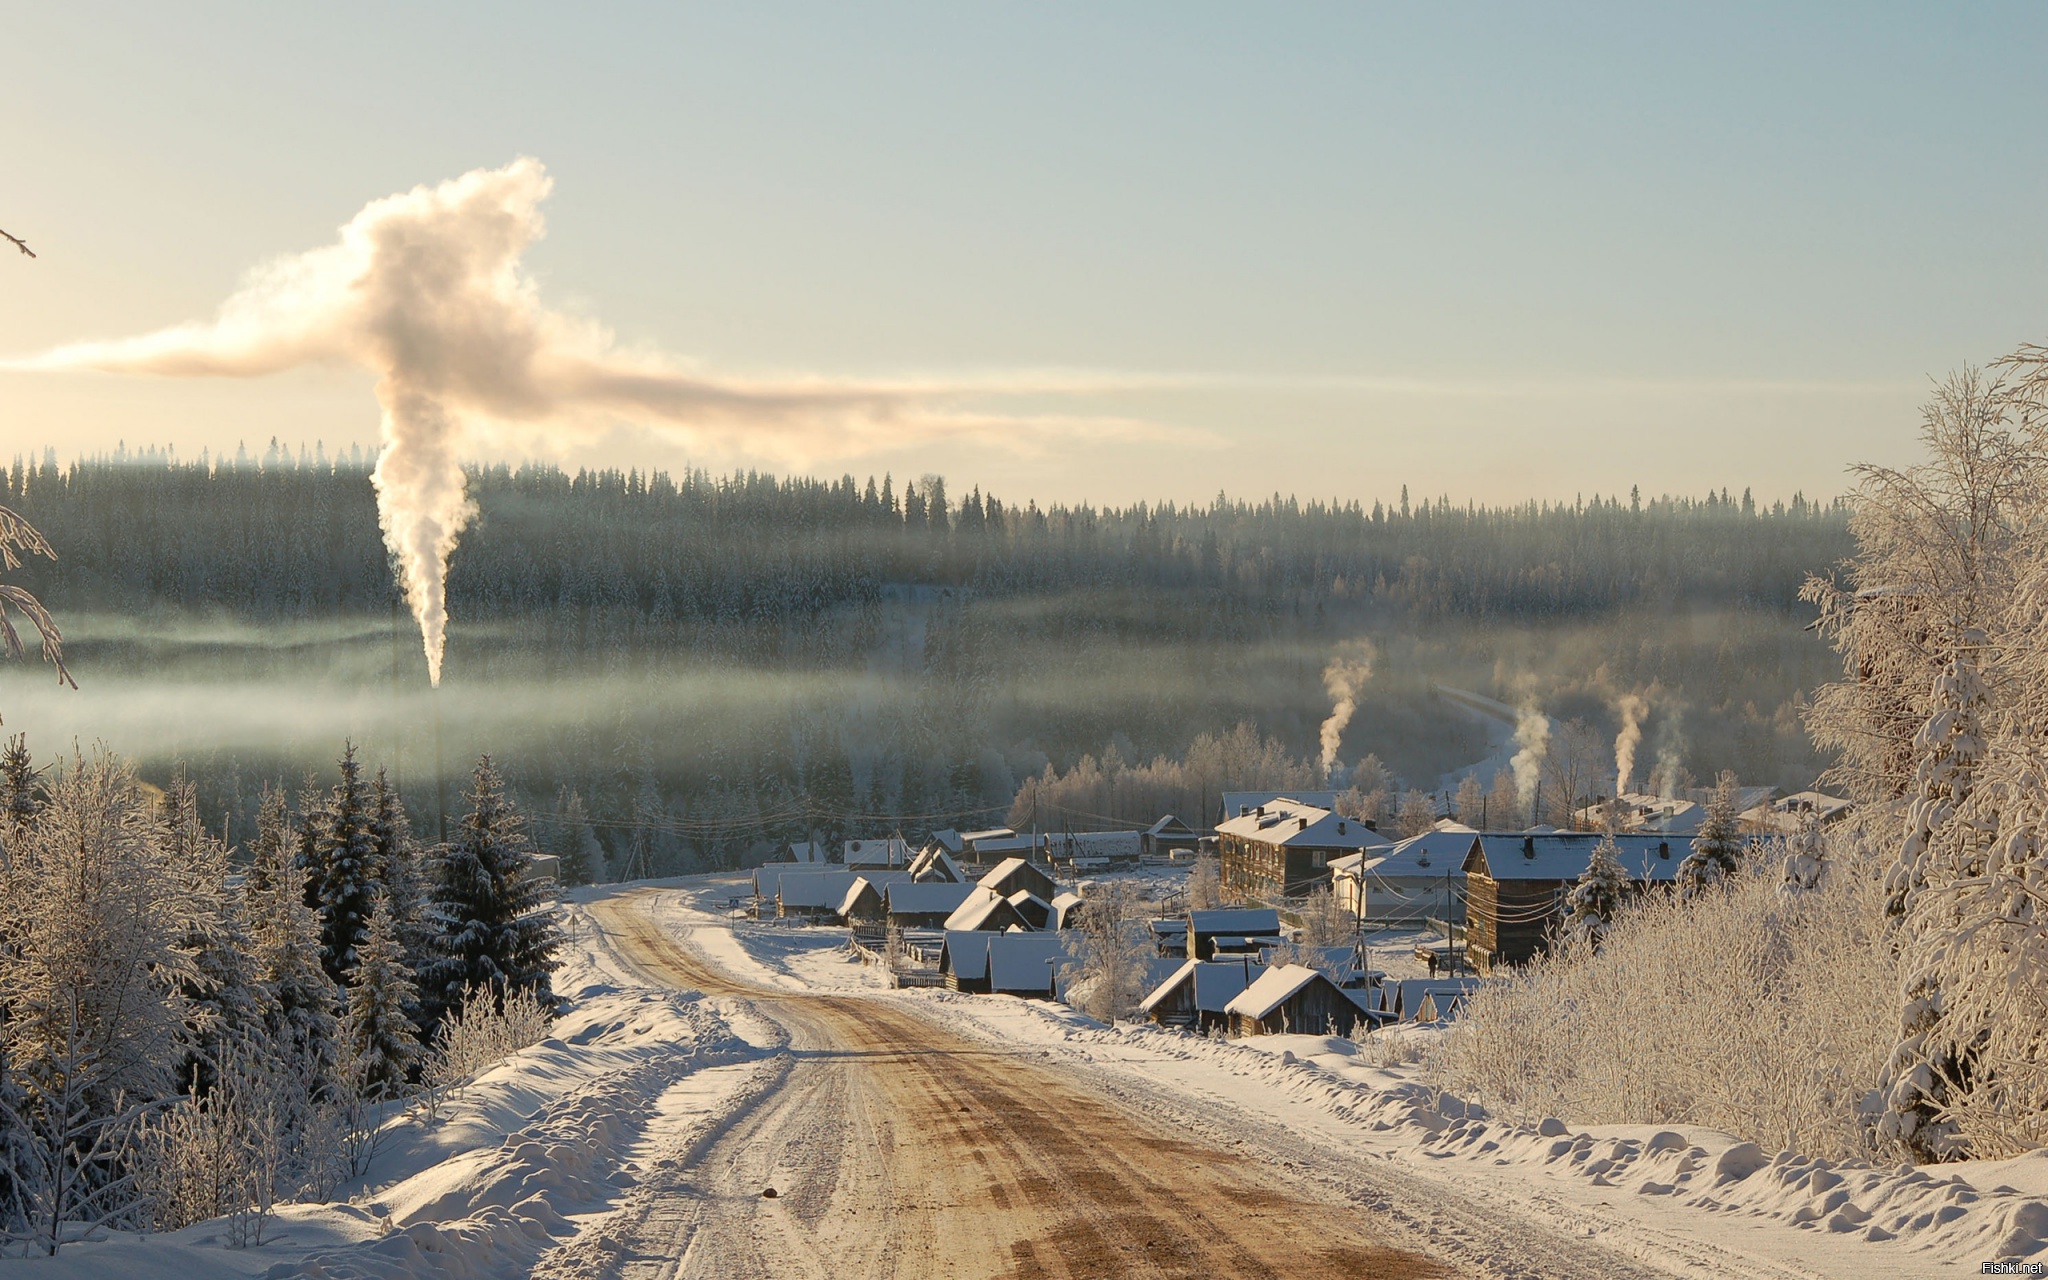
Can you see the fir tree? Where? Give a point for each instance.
(285, 934)
(1597, 896)
(276, 847)
(227, 1002)
(21, 785)
(576, 842)
(499, 928)
(345, 865)
(379, 1043)
(1718, 846)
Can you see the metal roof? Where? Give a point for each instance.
(1564, 855)
(1241, 920)
(1216, 983)
(1276, 986)
(1286, 822)
(926, 897)
(1236, 800)
(1024, 961)
(807, 888)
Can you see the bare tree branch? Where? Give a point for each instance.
(20, 244)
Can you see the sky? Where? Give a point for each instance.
(1498, 252)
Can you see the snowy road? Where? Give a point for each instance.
(899, 1147)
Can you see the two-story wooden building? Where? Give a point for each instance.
(1282, 849)
(1516, 885)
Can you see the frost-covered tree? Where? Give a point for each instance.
(1470, 802)
(276, 845)
(226, 1000)
(1805, 857)
(303, 999)
(498, 922)
(21, 786)
(1418, 812)
(1594, 900)
(576, 840)
(379, 1044)
(402, 874)
(1205, 884)
(1504, 804)
(344, 859)
(1110, 953)
(1717, 848)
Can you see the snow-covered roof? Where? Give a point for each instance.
(1276, 986)
(1169, 826)
(936, 864)
(1289, 822)
(1065, 906)
(1216, 983)
(948, 839)
(1009, 867)
(1403, 998)
(1001, 846)
(854, 891)
(877, 853)
(820, 889)
(983, 910)
(991, 833)
(926, 897)
(1235, 802)
(1031, 909)
(808, 851)
(965, 954)
(1024, 961)
(1239, 920)
(1563, 855)
(1432, 854)
(1787, 815)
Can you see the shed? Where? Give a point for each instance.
(1035, 911)
(1012, 874)
(1067, 909)
(924, 904)
(1196, 994)
(935, 863)
(1441, 1006)
(1025, 964)
(1295, 998)
(1205, 927)
(1170, 937)
(963, 960)
(1403, 1001)
(862, 903)
(1168, 836)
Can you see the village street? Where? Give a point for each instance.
(898, 1147)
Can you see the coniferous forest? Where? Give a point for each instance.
(675, 671)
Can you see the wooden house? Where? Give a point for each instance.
(1067, 910)
(1196, 994)
(1295, 999)
(924, 904)
(935, 863)
(1167, 837)
(1025, 964)
(1235, 928)
(1408, 883)
(1516, 885)
(862, 904)
(1012, 874)
(1034, 911)
(812, 894)
(1282, 849)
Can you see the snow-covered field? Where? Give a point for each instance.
(524, 1170)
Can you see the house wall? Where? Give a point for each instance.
(1257, 871)
(1529, 907)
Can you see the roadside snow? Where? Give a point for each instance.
(526, 1156)
(1693, 1200)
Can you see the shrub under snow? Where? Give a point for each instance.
(1756, 1009)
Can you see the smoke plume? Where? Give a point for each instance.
(1532, 737)
(1345, 677)
(426, 290)
(1632, 708)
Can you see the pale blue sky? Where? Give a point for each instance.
(1497, 251)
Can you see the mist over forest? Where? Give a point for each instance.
(707, 664)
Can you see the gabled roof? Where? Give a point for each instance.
(1275, 987)
(1065, 906)
(1169, 826)
(948, 839)
(877, 853)
(808, 851)
(1433, 853)
(1233, 801)
(1024, 961)
(926, 897)
(1564, 855)
(964, 954)
(985, 911)
(1403, 998)
(1033, 910)
(1239, 920)
(1011, 866)
(936, 864)
(1216, 983)
(854, 892)
(1289, 822)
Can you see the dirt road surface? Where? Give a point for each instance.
(899, 1149)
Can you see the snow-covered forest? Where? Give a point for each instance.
(181, 1040)
(684, 669)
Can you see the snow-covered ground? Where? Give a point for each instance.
(1688, 1200)
(527, 1169)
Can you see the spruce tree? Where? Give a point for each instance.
(345, 865)
(498, 924)
(576, 842)
(1718, 846)
(21, 785)
(1596, 897)
(285, 934)
(276, 848)
(227, 1002)
(379, 1043)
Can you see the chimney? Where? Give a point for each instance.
(1529, 846)
(1262, 811)
(1340, 826)
(1303, 826)
(1372, 825)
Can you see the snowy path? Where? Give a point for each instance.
(898, 1146)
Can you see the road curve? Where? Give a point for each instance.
(899, 1149)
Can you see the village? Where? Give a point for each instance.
(1284, 916)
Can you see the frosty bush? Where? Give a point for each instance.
(1111, 953)
(482, 1032)
(1765, 1014)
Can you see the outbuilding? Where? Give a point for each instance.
(1196, 994)
(1243, 924)
(985, 912)
(1012, 874)
(924, 904)
(1295, 999)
